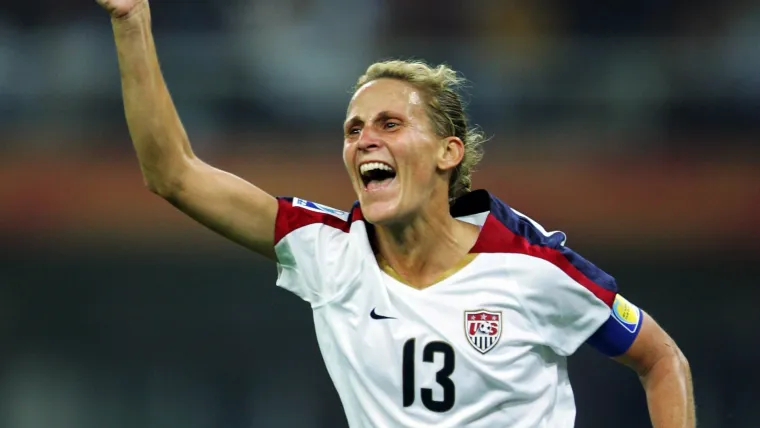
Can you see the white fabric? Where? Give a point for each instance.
(521, 381)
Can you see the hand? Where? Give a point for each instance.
(120, 8)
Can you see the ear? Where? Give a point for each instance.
(451, 153)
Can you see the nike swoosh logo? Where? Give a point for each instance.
(375, 316)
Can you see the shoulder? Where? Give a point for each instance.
(508, 231)
(296, 214)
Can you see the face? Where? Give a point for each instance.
(395, 160)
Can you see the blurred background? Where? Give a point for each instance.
(632, 126)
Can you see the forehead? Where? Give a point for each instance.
(385, 95)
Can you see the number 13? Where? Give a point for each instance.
(442, 376)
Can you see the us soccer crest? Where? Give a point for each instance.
(483, 329)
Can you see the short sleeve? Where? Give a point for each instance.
(311, 241)
(567, 298)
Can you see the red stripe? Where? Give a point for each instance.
(495, 237)
(290, 218)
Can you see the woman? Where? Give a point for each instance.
(418, 261)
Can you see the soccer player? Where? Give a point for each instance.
(434, 305)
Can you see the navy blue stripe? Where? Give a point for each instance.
(612, 339)
(522, 227)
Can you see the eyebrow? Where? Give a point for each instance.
(356, 120)
(351, 122)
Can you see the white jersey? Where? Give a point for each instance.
(484, 347)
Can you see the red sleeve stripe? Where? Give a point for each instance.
(290, 218)
(497, 237)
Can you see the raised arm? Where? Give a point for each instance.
(221, 201)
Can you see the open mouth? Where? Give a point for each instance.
(376, 175)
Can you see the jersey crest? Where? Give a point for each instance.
(483, 329)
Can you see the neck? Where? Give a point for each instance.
(421, 250)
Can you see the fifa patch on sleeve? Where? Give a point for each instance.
(628, 315)
(313, 206)
(617, 334)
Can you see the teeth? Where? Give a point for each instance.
(369, 166)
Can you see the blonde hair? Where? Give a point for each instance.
(440, 85)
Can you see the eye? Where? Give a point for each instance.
(391, 125)
(353, 131)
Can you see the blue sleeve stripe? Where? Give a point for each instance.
(614, 338)
(535, 235)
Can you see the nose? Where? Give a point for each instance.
(369, 140)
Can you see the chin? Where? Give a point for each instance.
(383, 205)
(380, 212)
